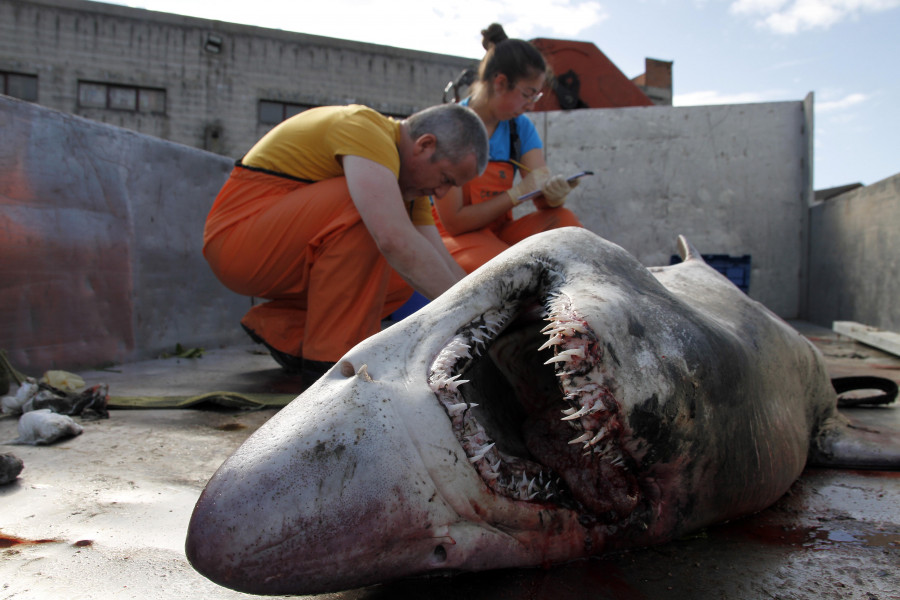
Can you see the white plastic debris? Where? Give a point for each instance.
(63, 380)
(12, 405)
(42, 427)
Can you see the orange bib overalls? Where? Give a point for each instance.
(474, 248)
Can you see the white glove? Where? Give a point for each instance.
(530, 183)
(556, 188)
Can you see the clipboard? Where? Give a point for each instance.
(570, 179)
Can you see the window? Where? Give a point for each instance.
(213, 43)
(272, 112)
(19, 85)
(121, 97)
(151, 101)
(91, 95)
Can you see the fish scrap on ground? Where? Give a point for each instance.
(10, 467)
(46, 411)
(42, 427)
(34, 395)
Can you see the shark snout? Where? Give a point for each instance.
(316, 488)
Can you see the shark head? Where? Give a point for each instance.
(561, 401)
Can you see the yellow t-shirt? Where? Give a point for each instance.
(309, 146)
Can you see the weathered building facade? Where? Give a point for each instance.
(208, 84)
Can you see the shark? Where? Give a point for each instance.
(560, 402)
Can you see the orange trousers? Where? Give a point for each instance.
(304, 248)
(473, 249)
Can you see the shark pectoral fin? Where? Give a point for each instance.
(847, 443)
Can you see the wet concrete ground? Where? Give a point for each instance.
(104, 515)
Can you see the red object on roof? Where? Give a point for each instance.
(585, 78)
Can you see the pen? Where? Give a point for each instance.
(520, 165)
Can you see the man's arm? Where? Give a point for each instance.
(376, 195)
(430, 233)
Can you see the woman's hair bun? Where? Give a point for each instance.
(493, 35)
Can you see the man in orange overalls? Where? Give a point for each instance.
(328, 217)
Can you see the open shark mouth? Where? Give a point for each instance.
(529, 399)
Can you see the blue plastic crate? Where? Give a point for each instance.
(735, 268)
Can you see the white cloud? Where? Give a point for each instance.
(841, 103)
(708, 97)
(793, 16)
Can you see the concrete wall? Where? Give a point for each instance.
(213, 74)
(734, 179)
(855, 257)
(100, 243)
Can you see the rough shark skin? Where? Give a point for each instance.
(560, 402)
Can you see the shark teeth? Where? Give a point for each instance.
(555, 340)
(596, 439)
(451, 354)
(446, 383)
(567, 356)
(592, 410)
(575, 414)
(537, 487)
(506, 475)
(458, 408)
(484, 450)
(587, 405)
(581, 438)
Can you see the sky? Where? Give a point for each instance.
(845, 52)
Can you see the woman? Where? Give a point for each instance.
(475, 220)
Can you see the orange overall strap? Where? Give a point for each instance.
(496, 179)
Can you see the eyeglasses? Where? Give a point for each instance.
(531, 96)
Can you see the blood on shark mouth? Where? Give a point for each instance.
(529, 399)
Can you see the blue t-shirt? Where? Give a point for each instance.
(499, 142)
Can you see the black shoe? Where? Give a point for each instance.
(288, 362)
(313, 370)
